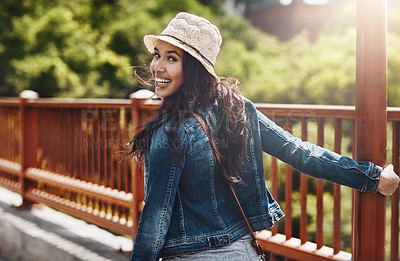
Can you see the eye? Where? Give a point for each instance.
(156, 55)
(172, 59)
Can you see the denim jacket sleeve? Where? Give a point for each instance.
(316, 161)
(164, 171)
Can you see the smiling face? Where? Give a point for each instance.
(166, 68)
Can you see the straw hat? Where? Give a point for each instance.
(193, 34)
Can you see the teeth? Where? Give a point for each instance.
(162, 81)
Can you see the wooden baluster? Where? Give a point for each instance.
(336, 191)
(288, 190)
(320, 191)
(394, 235)
(303, 190)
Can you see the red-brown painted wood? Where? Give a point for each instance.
(369, 212)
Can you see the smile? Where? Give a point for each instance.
(162, 82)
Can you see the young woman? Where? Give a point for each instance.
(190, 211)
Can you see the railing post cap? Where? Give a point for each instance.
(141, 94)
(28, 94)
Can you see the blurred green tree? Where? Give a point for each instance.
(59, 52)
(8, 10)
(90, 48)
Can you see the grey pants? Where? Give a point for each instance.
(240, 250)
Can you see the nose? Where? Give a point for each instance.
(158, 66)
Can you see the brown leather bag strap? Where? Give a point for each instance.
(204, 126)
(254, 242)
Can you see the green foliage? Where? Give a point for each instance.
(87, 49)
(394, 69)
(58, 52)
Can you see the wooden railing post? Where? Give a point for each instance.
(28, 140)
(369, 212)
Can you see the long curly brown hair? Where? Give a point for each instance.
(200, 89)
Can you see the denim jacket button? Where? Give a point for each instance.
(218, 240)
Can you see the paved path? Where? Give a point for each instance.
(56, 231)
(2, 258)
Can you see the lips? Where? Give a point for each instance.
(161, 82)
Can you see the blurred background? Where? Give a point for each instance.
(282, 51)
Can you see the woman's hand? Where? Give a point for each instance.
(389, 181)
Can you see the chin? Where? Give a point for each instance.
(160, 94)
(165, 92)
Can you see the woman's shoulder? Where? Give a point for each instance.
(190, 124)
(248, 103)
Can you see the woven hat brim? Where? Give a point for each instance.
(151, 40)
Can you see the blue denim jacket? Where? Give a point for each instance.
(189, 206)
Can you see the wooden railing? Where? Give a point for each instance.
(68, 154)
(312, 122)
